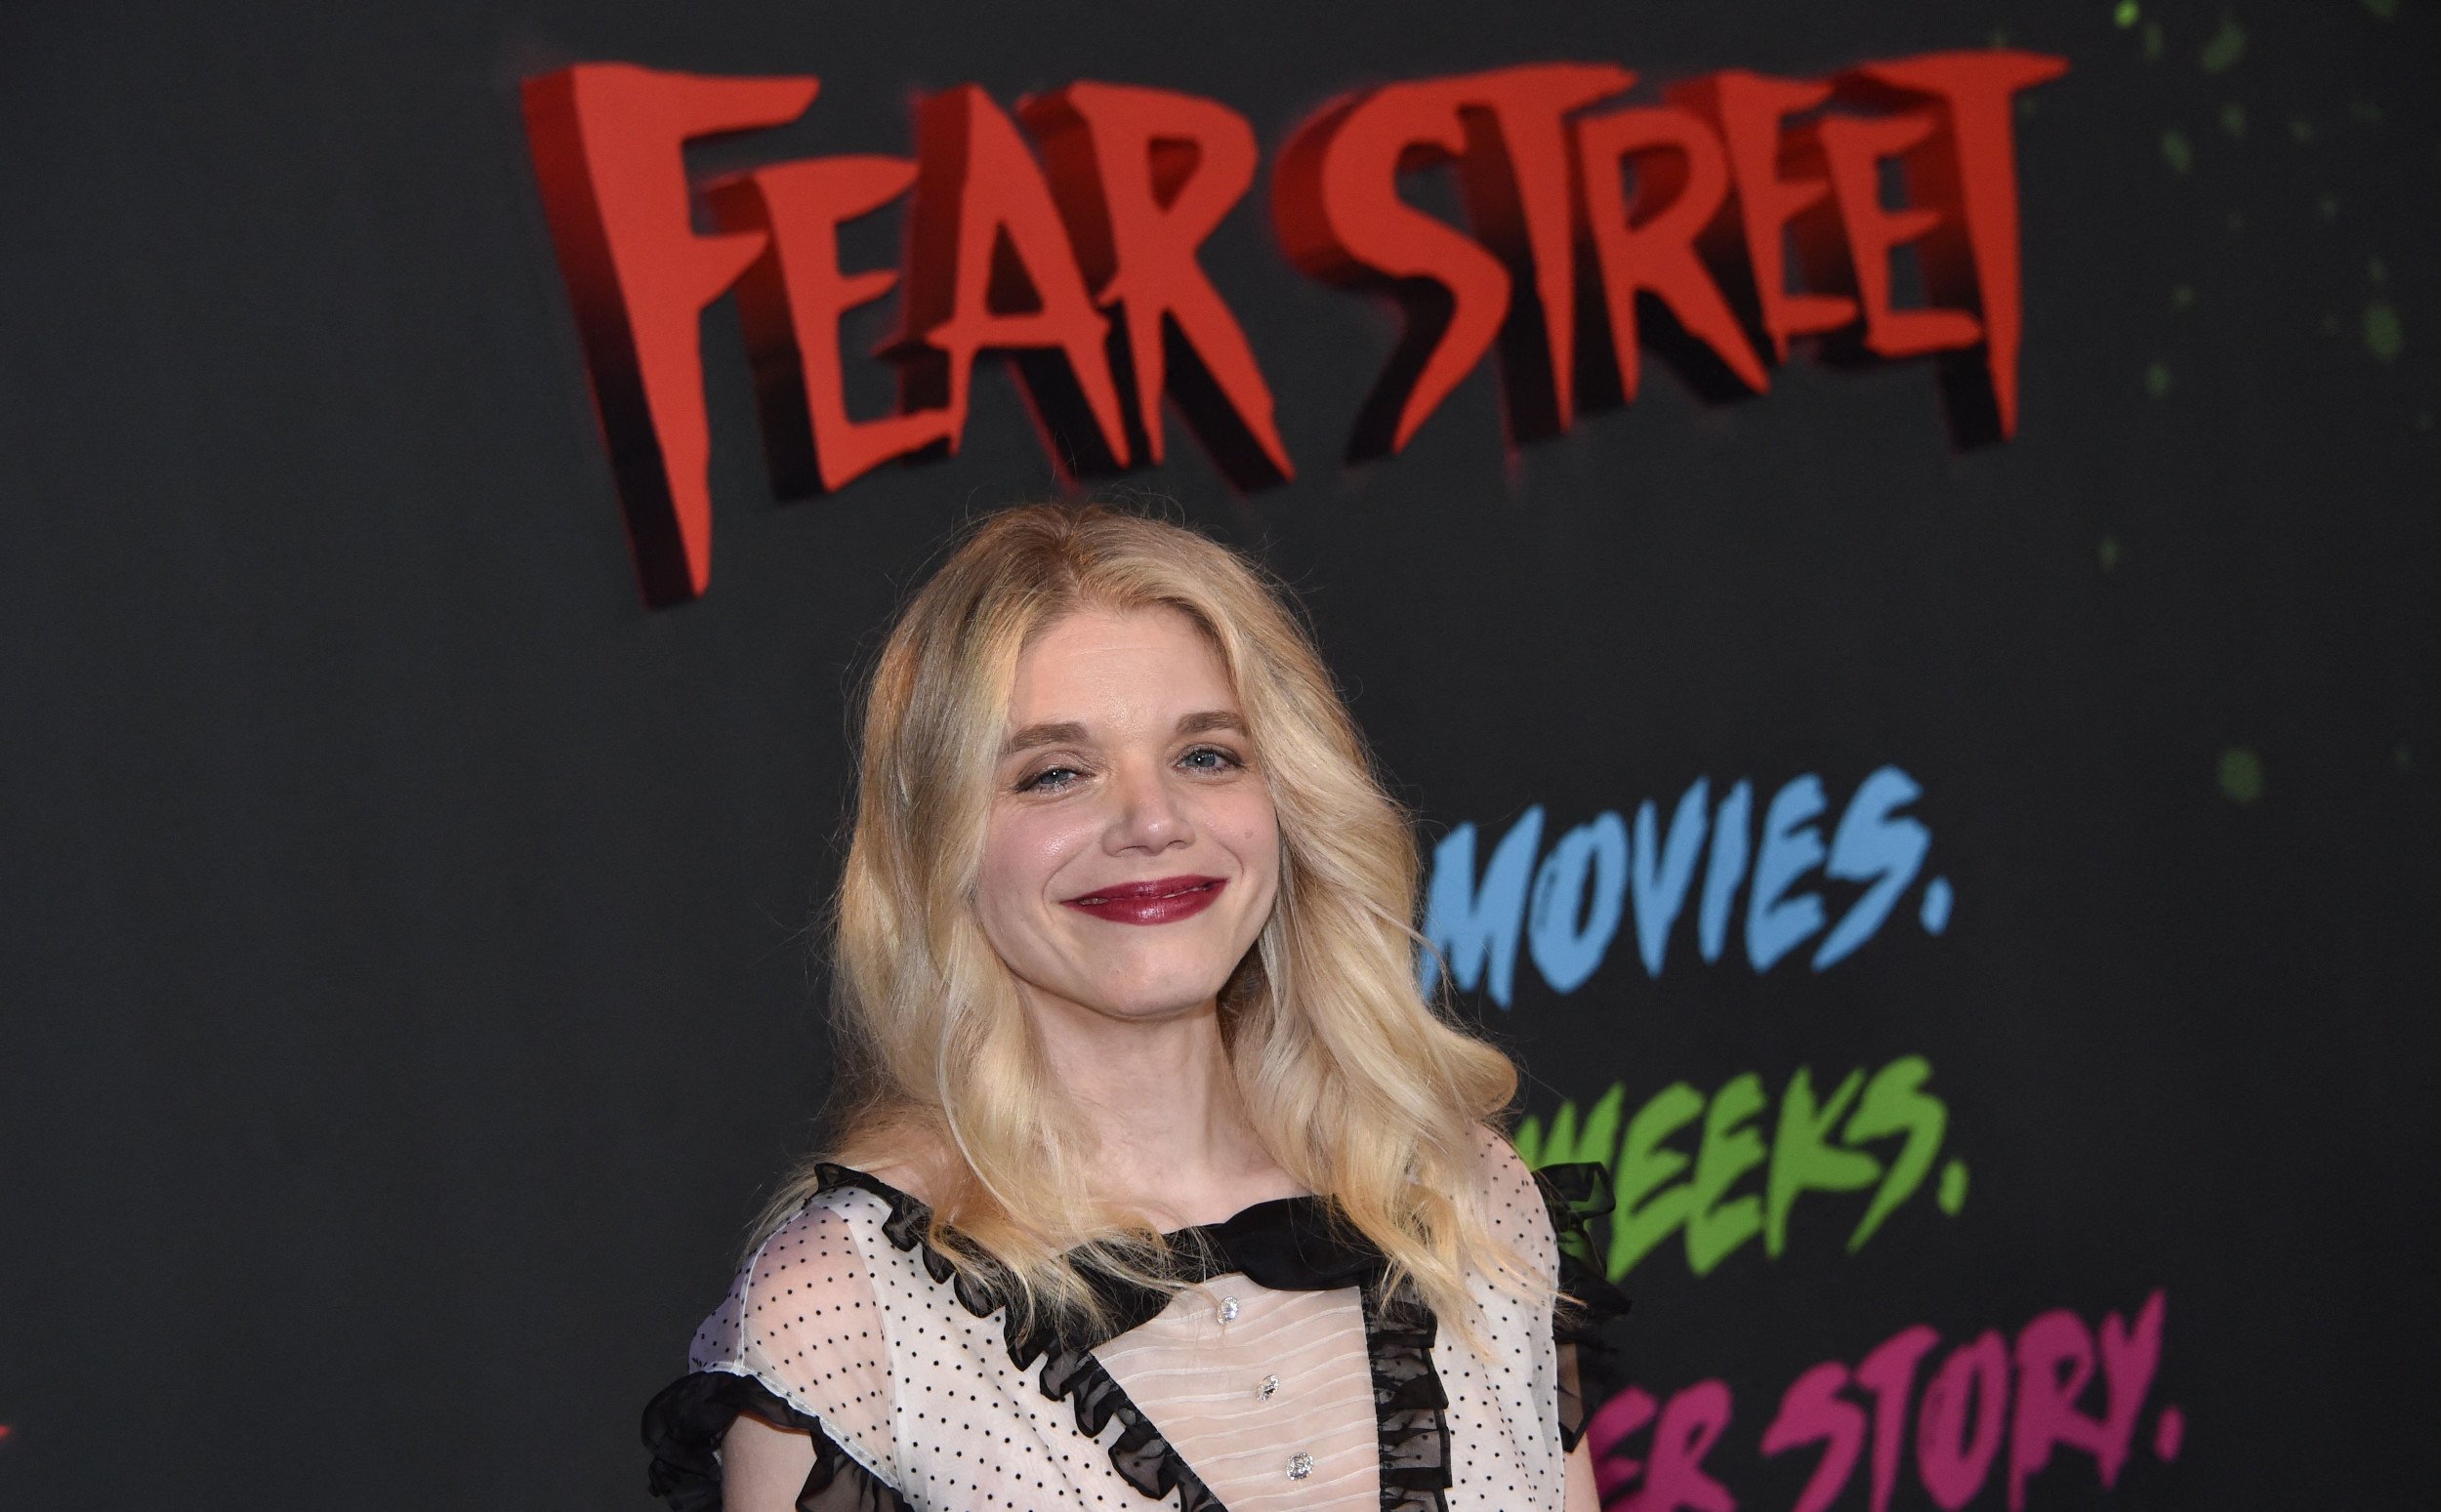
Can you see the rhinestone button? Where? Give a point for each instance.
(1270, 1384)
(1299, 1465)
(1228, 1309)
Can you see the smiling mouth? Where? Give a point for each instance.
(1158, 902)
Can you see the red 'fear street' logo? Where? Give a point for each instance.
(1065, 237)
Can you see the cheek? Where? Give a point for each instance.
(1251, 829)
(1022, 852)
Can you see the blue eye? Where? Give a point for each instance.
(1049, 778)
(1219, 759)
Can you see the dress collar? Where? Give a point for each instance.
(1289, 1243)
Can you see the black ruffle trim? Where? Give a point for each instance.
(1408, 1403)
(1577, 1194)
(1143, 1458)
(683, 1427)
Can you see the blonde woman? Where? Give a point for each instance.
(1156, 1181)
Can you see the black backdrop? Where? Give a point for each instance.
(407, 980)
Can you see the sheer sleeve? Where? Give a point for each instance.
(1577, 1194)
(799, 1344)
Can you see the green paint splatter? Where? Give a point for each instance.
(2424, 420)
(2366, 111)
(2157, 379)
(2241, 776)
(2227, 46)
(2182, 297)
(2374, 272)
(2110, 552)
(2175, 148)
(2127, 13)
(2382, 336)
(2328, 207)
(1952, 1193)
(1999, 36)
(2301, 128)
(2388, 10)
(2400, 755)
(2153, 41)
(2233, 118)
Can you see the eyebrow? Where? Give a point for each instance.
(1067, 732)
(1210, 720)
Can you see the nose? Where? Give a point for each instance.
(1146, 815)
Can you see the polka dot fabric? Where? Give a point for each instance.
(1504, 1405)
(805, 1321)
(1232, 1395)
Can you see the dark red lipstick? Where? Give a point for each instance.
(1162, 901)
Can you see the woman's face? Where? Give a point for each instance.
(1132, 855)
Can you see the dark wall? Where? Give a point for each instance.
(407, 978)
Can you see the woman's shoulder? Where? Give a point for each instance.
(799, 1341)
(1552, 1216)
(1512, 1200)
(817, 1263)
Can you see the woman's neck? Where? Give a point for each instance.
(1173, 1142)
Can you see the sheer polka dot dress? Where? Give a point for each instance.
(1282, 1378)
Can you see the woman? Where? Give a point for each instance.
(1154, 1176)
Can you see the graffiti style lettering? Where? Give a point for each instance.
(1340, 218)
(1967, 175)
(1964, 1423)
(1655, 249)
(1875, 845)
(1611, 1425)
(1336, 207)
(1598, 869)
(1895, 1104)
(1716, 1223)
(1685, 1432)
(1660, 1190)
(990, 268)
(1814, 1413)
(1749, 111)
(1082, 266)
(1663, 869)
(790, 303)
(2055, 1361)
(1520, 196)
(1890, 1374)
(1475, 927)
(1721, 874)
(1777, 922)
(1651, 1203)
(1578, 891)
(1808, 1160)
(608, 140)
(1144, 177)
(1851, 150)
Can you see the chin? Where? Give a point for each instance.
(1152, 1000)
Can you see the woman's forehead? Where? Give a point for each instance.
(1128, 667)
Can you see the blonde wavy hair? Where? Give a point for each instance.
(1357, 1085)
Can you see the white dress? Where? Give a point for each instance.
(1282, 1379)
